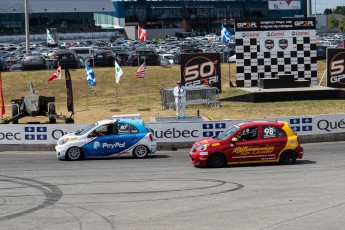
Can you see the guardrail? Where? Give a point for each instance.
(202, 94)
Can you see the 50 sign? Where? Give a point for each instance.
(336, 68)
(201, 69)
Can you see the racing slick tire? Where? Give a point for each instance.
(287, 158)
(74, 154)
(216, 160)
(140, 151)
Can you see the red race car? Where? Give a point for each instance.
(249, 142)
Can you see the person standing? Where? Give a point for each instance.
(180, 99)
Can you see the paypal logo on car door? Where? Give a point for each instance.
(108, 145)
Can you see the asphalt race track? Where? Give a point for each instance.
(165, 191)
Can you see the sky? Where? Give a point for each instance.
(321, 5)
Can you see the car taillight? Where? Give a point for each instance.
(151, 137)
(56, 57)
(109, 55)
(183, 52)
(91, 55)
(71, 56)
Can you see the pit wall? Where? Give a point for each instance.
(171, 135)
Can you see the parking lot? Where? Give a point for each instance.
(165, 191)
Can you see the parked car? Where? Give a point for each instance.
(102, 58)
(16, 67)
(66, 58)
(3, 66)
(123, 58)
(232, 58)
(34, 61)
(11, 58)
(82, 52)
(148, 54)
(164, 61)
(321, 52)
(108, 137)
(186, 50)
(249, 142)
(170, 57)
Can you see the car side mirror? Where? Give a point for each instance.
(234, 139)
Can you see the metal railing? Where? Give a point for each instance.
(202, 94)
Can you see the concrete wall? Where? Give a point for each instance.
(161, 146)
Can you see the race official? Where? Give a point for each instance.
(180, 99)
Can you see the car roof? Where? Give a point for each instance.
(112, 120)
(268, 123)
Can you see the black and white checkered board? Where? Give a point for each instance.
(251, 64)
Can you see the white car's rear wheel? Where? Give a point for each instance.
(140, 151)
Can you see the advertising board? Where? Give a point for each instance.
(335, 68)
(201, 69)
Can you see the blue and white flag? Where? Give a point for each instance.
(225, 34)
(90, 76)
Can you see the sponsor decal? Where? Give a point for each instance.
(293, 141)
(283, 43)
(269, 44)
(247, 24)
(96, 145)
(305, 23)
(244, 151)
(302, 33)
(114, 146)
(251, 34)
(276, 34)
(204, 141)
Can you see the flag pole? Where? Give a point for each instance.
(148, 95)
(116, 109)
(147, 90)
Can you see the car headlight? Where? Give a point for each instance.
(63, 141)
(202, 147)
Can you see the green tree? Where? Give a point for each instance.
(333, 23)
(328, 11)
(342, 25)
(339, 10)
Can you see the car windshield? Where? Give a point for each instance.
(82, 132)
(224, 135)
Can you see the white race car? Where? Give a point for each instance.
(107, 137)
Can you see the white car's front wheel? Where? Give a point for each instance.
(74, 154)
(140, 151)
